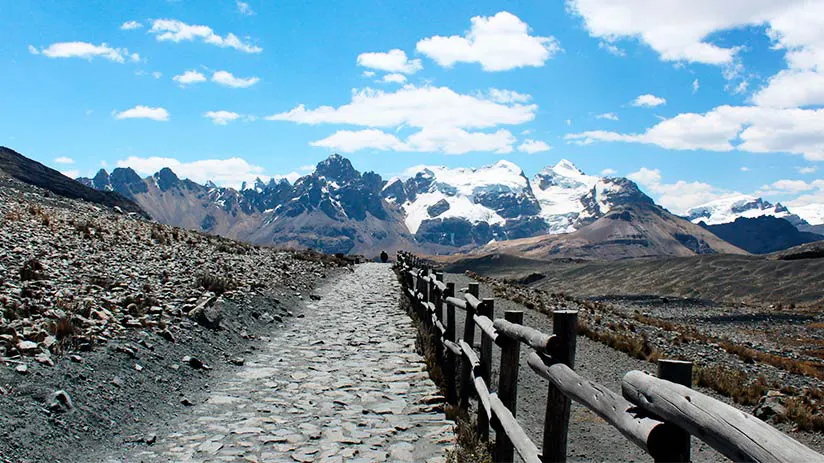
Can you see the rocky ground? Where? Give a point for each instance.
(109, 322)
(759, 359)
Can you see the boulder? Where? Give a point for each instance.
(207, 313)
(771, 405)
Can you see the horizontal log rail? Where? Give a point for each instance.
(655, 413)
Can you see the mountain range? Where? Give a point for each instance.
(560, 212)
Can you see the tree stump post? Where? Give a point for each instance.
(487, 309)
(467, 386)
(451, 377)
(556, 420)
(678, 445)
(508, 386)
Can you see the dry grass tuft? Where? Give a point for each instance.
(214, 283)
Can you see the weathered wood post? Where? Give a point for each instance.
(424, 305)
(439, 308)
(487, 309)
(556, 420)
(678, 442)
(508, 385)
(451, 377)
(469, 338)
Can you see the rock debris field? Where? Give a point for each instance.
(344, 383)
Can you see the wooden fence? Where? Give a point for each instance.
(658, 414)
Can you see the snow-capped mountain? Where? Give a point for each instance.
(461, 206)
(726, 210)
(338, 209)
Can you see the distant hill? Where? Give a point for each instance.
(32, 172)
(641, 229)
(762, 235)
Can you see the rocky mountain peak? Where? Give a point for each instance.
(337, 167)
(101, 180)
(166, 179)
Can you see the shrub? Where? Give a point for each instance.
(32, 269)
(214, 283)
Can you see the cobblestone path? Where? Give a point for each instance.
(342, 384)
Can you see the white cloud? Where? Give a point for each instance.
(143, 112)
(789, 187)
(178, 31)
(791, 88)
(508, 96)
(157, 74)
(130, 25)
(499, 43)
(533, 146)
(744, 169)
(695, 86)
(394, 78)
(189, 77)
(569, 122)
(807, 170)
(227, 79)
(449, 140)
(610, 116)
(64, 160)
(611, 48)
(394, 61)
(244, 8)
(726, 128)
(368, 73)
(680, 196)
(85, 50)
(426, 106)
(222, 117)
(230, 172)
(648, 100)
(608, 172)
(684, 31)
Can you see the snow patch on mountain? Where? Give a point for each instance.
(560, 190)
(812, 213)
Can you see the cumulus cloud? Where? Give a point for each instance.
(611, 48)
(726, 128)
(807, 170)
(449, 140)
(608, 172)
(227, 79)
(533, 146)
(394, 78)
(189, 77)
(609, 116)
(130, 25)
(648, 100)
(394, 61)
(684, 32)
(426, 106)
(222, 117)
(143, 112)
(86, 51)
(173, 30)
(498, 43)
(64, 160)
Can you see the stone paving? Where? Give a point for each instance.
(342, 384)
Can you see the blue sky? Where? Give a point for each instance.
(694, 100)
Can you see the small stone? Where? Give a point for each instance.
(60, 401)
(117, 381)
(239, 361)
(186, 402)
(76, 358)
(167, 335)
(138, 367)
(150, 439)
(194, 362)
(44, 359)
(22, 369)
(28, 347)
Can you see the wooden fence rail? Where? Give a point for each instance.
(658, 414)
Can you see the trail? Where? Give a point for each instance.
(342, 384)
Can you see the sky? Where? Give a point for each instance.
(695, 101)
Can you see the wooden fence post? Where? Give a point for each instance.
(556, 420)
(508, 385)
(678, 445)
(451, 377)
(487, 309)
(469, 337)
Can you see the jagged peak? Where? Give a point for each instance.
(336, 167)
